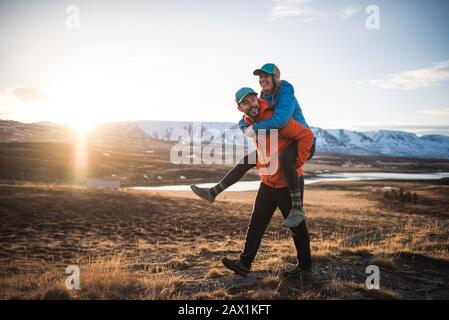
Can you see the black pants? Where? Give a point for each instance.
(267, 200)
(288, 167)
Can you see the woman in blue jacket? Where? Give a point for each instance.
(281, 97)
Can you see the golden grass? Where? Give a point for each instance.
(214, 273)
(112, 276)
(158, 247)
(106, 277)
(220, 294)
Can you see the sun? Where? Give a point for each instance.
(82, 126)
(83, 99)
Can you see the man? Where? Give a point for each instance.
(273, 192)
(279, 94)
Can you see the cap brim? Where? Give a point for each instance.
(259, 71)
(254, 93)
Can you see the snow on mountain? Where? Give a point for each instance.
(436, 138)
(388, 142)
(408, 144)
(382, 142)
(164, 129)
(351, 137)
(347, 142)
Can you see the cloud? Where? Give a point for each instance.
(295, 8)
(415, 79)
(347, 12)
(26, 94)
(9, 105)
(20, 102)
(443, 112)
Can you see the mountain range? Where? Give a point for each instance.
(382, 142)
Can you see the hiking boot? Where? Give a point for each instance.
(294, 218)
(203, 193)
(305, 275)
(237, 266)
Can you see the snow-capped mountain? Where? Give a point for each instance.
(220, 132)
(388, 142)
(436, 138)
(382, 142)
(342, 141)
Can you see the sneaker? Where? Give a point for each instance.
(237, 266)
(294, 218)
(203, 193)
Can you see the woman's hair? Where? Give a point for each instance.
(276, 87)
(276, 82)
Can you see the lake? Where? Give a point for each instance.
(342, 176)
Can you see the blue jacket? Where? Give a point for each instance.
(285, 108)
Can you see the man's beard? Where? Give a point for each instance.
(253, 116)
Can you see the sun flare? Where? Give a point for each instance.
(82, 126)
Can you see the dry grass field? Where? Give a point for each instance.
(169, 245)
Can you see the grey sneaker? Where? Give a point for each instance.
(294, 218)
(203, 193)
(237, 266)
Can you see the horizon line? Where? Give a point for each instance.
(419, 130)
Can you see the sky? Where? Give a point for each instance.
(85, 62)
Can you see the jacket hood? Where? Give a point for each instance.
(286, 87)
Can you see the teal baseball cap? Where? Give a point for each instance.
(242, 93)
(269, 68)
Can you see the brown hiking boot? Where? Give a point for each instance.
(237, 266)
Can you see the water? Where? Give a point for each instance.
(344, 176)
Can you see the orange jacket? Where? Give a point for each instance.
(293, 131)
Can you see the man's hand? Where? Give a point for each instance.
(249, 132)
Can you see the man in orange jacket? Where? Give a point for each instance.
(273, 192)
